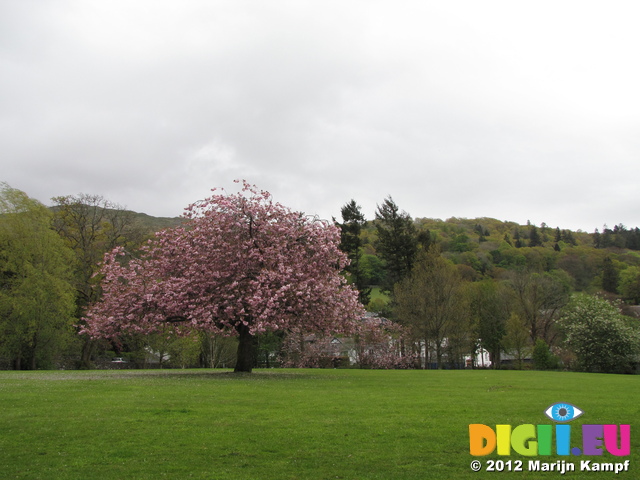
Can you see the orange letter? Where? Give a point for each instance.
(478, 435)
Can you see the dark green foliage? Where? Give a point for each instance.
(351, 243)
(567, 237)
(534, 237)
(543, 359)
(489, 307)
(460, 243)
(610, 277)
(519, 243)
(619, 237)
(397, 242)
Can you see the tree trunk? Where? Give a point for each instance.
(17, 362)
(244, 362)
(85, 357)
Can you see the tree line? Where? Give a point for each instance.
(462, 286)
(437, 292)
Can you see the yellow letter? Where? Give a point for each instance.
(503, 432)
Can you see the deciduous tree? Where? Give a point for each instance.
(91, 226)
(539, 298)
(490, 307)
(630, 284)
(241, 265)
(36, 295)
(430, 301)
(599, 336)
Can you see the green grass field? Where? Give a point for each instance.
(287, 424)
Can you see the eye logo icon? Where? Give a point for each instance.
(563, 412)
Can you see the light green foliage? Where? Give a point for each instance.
(172, 350)
(36, 296)
(516, 342)
(599, 336)
(629, 285)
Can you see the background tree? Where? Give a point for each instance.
(535, 239)
(542, 357)
(430, 301)
(490, 308)
(378, 343)
(217, 351)
(539, 298)
(397, 242)
(351, 243)
(91, 226)
(599, 335)
(36, 296)
(610, 276)
(630, 284)
(517, 341)
(240, 265)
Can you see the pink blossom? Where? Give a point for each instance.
(238, 261)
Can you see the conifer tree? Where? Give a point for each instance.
(610, 276)
(350, 242)
(397, 242)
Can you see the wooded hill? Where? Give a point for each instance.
(487, 248)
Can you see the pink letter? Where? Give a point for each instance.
(611, 437)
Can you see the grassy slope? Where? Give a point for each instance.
(283, 424)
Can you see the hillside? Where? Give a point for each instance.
(154, 224)
(488, 248)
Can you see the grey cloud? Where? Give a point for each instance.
(454, 108)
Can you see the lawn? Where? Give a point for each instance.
(287, 424)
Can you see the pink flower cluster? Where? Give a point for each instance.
(237, 259)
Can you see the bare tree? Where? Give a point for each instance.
(538, 299)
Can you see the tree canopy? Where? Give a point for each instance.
(36, 294)
(240, 265)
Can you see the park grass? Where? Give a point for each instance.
(286, 424)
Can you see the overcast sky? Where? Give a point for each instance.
(506, 109)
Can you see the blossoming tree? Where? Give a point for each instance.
(241, 264)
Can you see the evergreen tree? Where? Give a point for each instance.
(397, 242)
(350, 242)
(567, 237)
(597, 240)
(610, 277)
(534, 237)
(516, 236)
